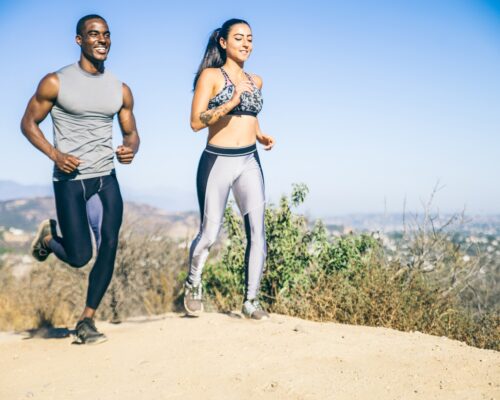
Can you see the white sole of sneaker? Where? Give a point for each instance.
(190, 313)
(90, 342)
(265, 318)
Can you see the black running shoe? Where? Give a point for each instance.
(39, 250)
(87, 333)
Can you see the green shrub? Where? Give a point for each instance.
(309, 274)
(295, 254)
(349, 279)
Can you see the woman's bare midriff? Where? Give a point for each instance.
(233, 131)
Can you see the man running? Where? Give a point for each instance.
(82, 99)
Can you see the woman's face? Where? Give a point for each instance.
(238, 45)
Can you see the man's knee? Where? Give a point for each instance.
(80, 258)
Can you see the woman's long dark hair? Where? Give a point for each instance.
(215, 55)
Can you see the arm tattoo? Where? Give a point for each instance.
(206, 116)
(211, 116)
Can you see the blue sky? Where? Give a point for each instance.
(371, 102)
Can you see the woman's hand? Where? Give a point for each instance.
(266, 141)
(243, 86)
(207, 85)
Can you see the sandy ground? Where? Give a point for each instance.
(222, 357)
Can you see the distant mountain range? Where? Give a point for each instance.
(10, 190)
(27, 213)
(24, 206)
(170, 200)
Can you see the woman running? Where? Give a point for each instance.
(227, 100)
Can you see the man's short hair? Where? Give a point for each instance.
(81, 22)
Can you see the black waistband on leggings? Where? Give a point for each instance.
(231, 151)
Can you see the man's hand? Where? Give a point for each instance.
(124, 154)
(66, 162)
(266, 141)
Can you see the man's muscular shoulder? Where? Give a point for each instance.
(48, 88)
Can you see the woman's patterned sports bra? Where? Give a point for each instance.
(250, 104)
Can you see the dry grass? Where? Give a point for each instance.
(376, 292)
(53, 294)
(402, 300)
(145, 281)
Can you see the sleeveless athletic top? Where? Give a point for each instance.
(83, 120)
(251, 103)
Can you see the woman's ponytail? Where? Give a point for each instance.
(215, 55)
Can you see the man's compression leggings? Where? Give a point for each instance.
(96, 204)
(220, 170)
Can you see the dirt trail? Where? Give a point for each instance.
(222, 357)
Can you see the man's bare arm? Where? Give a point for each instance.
(37, 110)
(126, 118)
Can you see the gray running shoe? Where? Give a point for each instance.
(87, 333)
(252, 309)
(38, 248)
(193, 299)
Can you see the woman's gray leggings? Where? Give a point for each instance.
(221, 169)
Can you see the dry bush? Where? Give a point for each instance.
(354, 279)
(388, 296)
(145, 280)
(50, 295)
(424, 285)
(53, 294)
(459, 267)
(11, 315)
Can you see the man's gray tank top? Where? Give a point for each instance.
(83, 120)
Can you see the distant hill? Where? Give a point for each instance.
(24, 206)
(10, 190)
(27, 213)
(170, 199)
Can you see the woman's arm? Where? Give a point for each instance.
(205, 89)
(265, 140)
